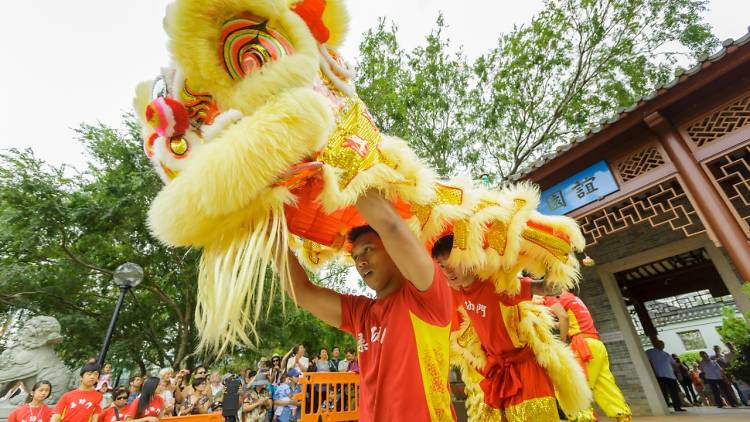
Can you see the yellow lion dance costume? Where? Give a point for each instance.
(258, 133)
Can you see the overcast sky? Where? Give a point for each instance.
(77, 61)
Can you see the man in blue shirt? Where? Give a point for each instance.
(287, 408)
(663, 366)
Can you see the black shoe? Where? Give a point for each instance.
(680, 410)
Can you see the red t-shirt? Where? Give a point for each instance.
(78, 406)
(481, 302)
(403, 344)
(579, 317)
(154, 408)
(112, 414)
(26, 413)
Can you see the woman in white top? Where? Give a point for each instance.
(167, 391)
(297, 359)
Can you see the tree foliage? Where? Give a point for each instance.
(734, 328)
(64, 231)
(575, 63)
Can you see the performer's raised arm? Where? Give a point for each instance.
(406, 251)
(322, 302)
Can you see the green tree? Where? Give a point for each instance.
(421, 96)
(575, 63)
(64, 231)
(734, 327)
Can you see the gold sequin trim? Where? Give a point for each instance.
(586, 415)
(353, 145)
(497, 237)
(467, 337)
(484, 203)
(312, 251)
(460, 234)
(497, 233)
(444, 195)
(519, 204)
(533, 410)
(559, 248)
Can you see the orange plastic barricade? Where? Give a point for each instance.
(329, 396)
(208, 417)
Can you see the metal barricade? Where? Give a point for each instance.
(329, 396)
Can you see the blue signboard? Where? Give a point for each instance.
(581, 189)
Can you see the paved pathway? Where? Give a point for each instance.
(696, 414)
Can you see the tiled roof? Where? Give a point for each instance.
(681, 76)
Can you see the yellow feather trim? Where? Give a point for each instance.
(194, 29)
(312, 255)
(556, 358)
(336, 19)
(466, 354)
(283, 132)
(409, 179)
(231, 283)
(140, 102)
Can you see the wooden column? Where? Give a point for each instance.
(708, 201)
(646, 323)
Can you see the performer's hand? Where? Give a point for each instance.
(551, 289)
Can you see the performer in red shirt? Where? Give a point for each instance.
(149, 406)
(34, 410)
(403, 334)
(81, 405)
(515, 386)
(577, 324)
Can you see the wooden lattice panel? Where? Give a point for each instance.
(639, 163)
(665, 203)
(732, 173)
(720, 123)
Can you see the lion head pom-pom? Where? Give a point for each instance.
(167, 116)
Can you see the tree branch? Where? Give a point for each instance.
(77, 260)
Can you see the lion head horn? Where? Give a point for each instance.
(328, 20)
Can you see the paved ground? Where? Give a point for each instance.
(696, 414)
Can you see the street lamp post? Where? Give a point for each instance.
(126, 276)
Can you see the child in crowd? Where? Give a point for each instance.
(34, 410)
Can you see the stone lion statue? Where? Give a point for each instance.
(31, 358)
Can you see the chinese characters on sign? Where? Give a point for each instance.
(555, 200)
(581, 189)
(585, 186)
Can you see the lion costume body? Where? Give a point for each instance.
(258, 133)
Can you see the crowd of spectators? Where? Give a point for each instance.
(265, 393)
(704, 382)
